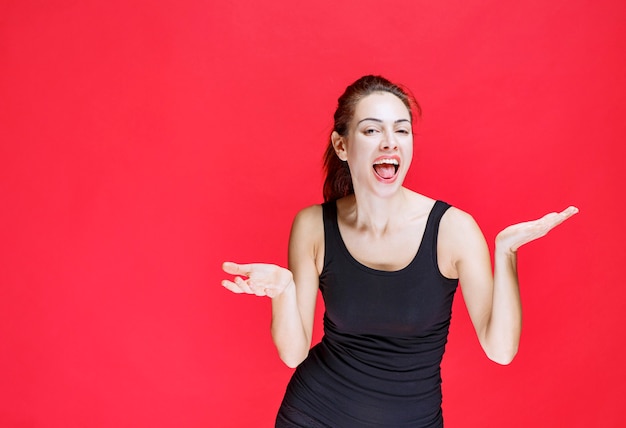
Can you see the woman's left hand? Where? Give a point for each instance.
(513, 237)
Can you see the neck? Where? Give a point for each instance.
(378, 214)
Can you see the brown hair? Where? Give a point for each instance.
(338, 181)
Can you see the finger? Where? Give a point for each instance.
(259, 286)
(550, 220)
(565, 214)
(270, 292)
(236, 268)
(244, 285)
(238, 285)
(569, 211)
(231, 286)
(553, 219)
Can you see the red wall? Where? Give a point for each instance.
(143, 143)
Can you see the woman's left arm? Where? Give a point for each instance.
(493, 302)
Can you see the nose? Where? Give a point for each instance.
(388, 142)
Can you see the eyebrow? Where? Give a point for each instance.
(380, 121)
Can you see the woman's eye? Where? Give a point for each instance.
(370, 131)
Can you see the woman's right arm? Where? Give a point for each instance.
(293, 291)
(293, 311)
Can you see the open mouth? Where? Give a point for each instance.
(386, 168)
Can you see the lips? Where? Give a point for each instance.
(386, 168)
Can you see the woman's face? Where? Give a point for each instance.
(379, 145)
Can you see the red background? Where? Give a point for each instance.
(143, 143)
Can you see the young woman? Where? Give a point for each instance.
(387, 261)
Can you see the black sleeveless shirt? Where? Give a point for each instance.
(378, 364)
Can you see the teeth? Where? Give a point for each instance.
(387, 161)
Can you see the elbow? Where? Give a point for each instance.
(501, 348)
(502, 357)
(293, 360)
(290, 351)
(292, 364)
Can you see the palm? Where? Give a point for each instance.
(263, 279)
(513, 237)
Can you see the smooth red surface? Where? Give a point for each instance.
(143, 143)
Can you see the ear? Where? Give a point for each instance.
(339, 143)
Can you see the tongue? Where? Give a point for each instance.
(385, 170)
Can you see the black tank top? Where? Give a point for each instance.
(378, 364)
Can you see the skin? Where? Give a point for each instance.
(381, 225)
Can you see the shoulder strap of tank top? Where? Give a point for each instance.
(432, 227)
(329, 212)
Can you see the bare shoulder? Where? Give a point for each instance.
(459, 236)
(309, 220)
(456, 220)
(459, 228)
(307, 236)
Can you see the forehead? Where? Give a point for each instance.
(383, 106)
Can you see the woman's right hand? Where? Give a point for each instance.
(262, 279)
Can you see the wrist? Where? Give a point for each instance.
(503, 250)
(289, 291)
